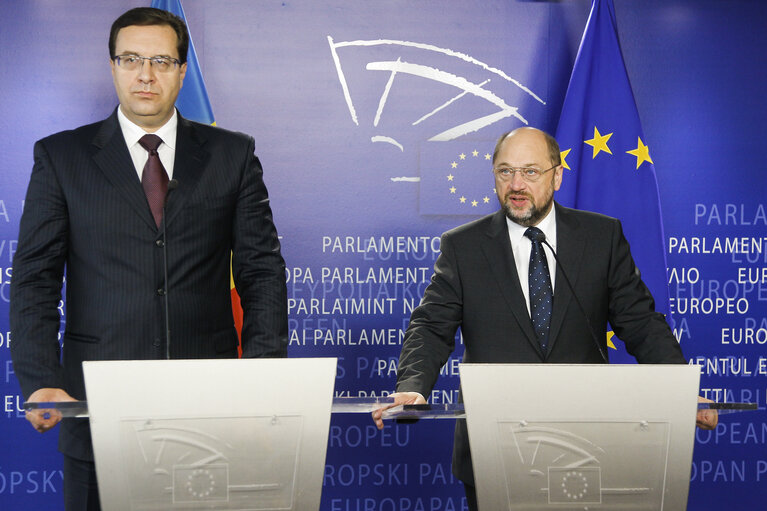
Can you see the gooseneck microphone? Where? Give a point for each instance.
(541, 237)
(172, 185)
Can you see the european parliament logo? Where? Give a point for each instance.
(416, 96)
(435, 98)
(581, 465)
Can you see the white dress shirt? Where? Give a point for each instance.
(132, 132)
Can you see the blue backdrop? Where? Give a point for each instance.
(360, 111)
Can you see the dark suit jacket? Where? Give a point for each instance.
(86, 211)
(475, 286)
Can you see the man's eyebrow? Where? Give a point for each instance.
(523, 166)
(130, 53)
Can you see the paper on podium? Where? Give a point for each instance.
(246, 434)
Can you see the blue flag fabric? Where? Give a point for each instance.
(192, 101)
(608, 168)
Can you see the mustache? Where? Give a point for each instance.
(518, 194)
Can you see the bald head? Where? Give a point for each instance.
(530, 136)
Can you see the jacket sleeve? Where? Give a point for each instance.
(645, 332)
(258, 267)
(38, 271)
(430, 336)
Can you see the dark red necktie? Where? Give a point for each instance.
(154, 179)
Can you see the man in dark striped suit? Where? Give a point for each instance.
(106, 204)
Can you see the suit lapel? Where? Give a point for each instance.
(500, 259)
(570, 250)
(191, 159)
(113, 159)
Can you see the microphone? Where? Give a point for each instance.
(172, 185)
(540, 237)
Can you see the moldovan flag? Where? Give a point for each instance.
(193, 103)
(607, 161)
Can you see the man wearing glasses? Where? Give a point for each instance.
(143, 210)
(495, 280)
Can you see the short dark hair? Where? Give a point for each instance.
(551, 143)
(147, 16)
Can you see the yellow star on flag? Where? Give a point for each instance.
(454, 165)
(487, 156)
(474, 203)
(462, 156)
(450, 177)
(452, 189)
(642, 153)
(475, 153)
(563, 156)
(463, 200)
(485, 199)
(599, 143)
(610, 343)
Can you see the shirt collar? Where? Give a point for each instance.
(548, 225)
(133, 132)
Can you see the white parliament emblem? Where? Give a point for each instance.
(230, 463)
(585, 465)
(440, 109)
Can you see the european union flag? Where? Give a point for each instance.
(607, 161)
(192, 101)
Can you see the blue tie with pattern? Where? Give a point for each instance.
(541, 295)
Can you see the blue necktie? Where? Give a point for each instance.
(541, 295)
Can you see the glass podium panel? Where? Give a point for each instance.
(428, 411)
(70, 409)
(360, 404)
(573, 465)
(192, 463)
(79, 409)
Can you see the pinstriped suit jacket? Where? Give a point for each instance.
(476, 286)
(86, 211)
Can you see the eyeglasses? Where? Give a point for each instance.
(133, 62)
(529, 174)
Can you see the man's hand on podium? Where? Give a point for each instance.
(400, 398)
(44, 419)
(706, 419)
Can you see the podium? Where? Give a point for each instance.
(581, 437)
(228, 434)
(252, 434)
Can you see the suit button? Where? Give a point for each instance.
(160, 292)
(160, 243)
(156, 342)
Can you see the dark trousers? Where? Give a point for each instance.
(471, 496)
(81, 493)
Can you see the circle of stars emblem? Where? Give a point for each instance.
(454, 166)
(575, 486)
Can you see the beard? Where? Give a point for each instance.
(535, 213)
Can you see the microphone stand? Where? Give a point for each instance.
(172, 185)
(542, 238)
